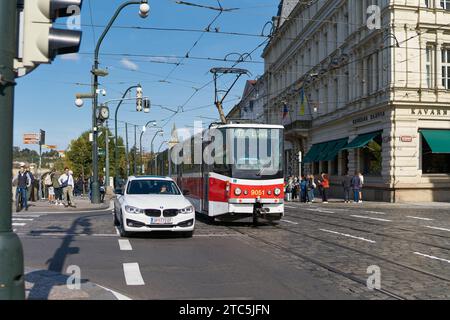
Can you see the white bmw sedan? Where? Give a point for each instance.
(147, 204)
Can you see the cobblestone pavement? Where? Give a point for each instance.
(318, 251)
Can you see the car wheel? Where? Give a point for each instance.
(123, 233)
(116, 221)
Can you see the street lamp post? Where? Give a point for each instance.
(159, 150)
(144, 9)
(116, 166)
(160, 132)
(140, 143)
(12, 285)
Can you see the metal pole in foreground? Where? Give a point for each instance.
(126, 150)
(135, 150)
(12, 286)
(106, 182)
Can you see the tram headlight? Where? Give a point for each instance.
(277, 191)
(237, 191)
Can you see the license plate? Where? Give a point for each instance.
(161, 220)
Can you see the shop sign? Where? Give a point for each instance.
(369, 117)
(430, 112)
(406, 139)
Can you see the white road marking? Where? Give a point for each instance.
(437, 228)
(375, 212)
(370, 218)
(133, 275)
(20, 219)
(320, 210)
(347, 235)
(291, 222)
(26, 216)
(49, 234)
(290, 207)
(119, 296)
(219, 235)
(432, 257)
(420, 218)
(19, 224)
(125, 245)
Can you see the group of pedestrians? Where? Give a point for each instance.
(60, 188)
(305, 188)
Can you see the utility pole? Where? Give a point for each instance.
(41, 143)
(135, 150)
(126, 149)
(12, 285)
(106, 155)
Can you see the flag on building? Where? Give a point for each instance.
(285, 113)
(303, 102)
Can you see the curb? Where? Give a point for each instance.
(56, 210)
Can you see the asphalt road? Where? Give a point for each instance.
(319, 251)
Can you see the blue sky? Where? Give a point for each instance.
(45, 97)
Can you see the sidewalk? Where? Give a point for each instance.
(48, 285)
(82, 204)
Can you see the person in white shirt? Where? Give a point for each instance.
(67, 184)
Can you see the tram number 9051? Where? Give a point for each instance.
(258, 193)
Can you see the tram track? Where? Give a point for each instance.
(327, 266)
(365, 230)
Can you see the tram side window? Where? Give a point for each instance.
(434, 163)
(371, 160)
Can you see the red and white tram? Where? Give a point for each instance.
(247, 188)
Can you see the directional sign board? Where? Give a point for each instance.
(31, 138)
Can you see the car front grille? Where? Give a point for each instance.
(153, 213)
(170, 213)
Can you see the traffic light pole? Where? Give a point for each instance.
(95, 189)
(12, 285)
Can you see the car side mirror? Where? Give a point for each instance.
(186, 192)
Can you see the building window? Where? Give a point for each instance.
(434, 163)
(445, 4)
(370, 157)
(446, 67)
(429, 66)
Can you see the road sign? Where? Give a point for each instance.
(31, 138)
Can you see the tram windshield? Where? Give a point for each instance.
(252, 153)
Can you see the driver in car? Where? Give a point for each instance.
(163, 189)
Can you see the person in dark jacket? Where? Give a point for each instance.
(23, 181)
(347, 185)
(356, 186)
(303, 184)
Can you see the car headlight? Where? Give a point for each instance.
(277, 191)
(186, 210)
(237, 191)
(135, 210)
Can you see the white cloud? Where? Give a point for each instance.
(71, 57)
(129, 64)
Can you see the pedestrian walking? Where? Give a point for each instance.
(102, 189)
(47, 185)
(57, 187)
(30, 189)
(295, 189)
(347, 185)
(303, 184)
(356, 186)
(311, 186)
(289, 189)
(23, 181)
(324, 183)
(361, 177)
(67, 185)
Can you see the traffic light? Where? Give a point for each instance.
(139, 96)
(39, 42)
(147, 105)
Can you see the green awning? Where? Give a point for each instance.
(438, 140)
(362, 140)
(338, 146)
(325, 151)
(312, 153)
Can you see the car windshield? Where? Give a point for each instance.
(162, 187)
